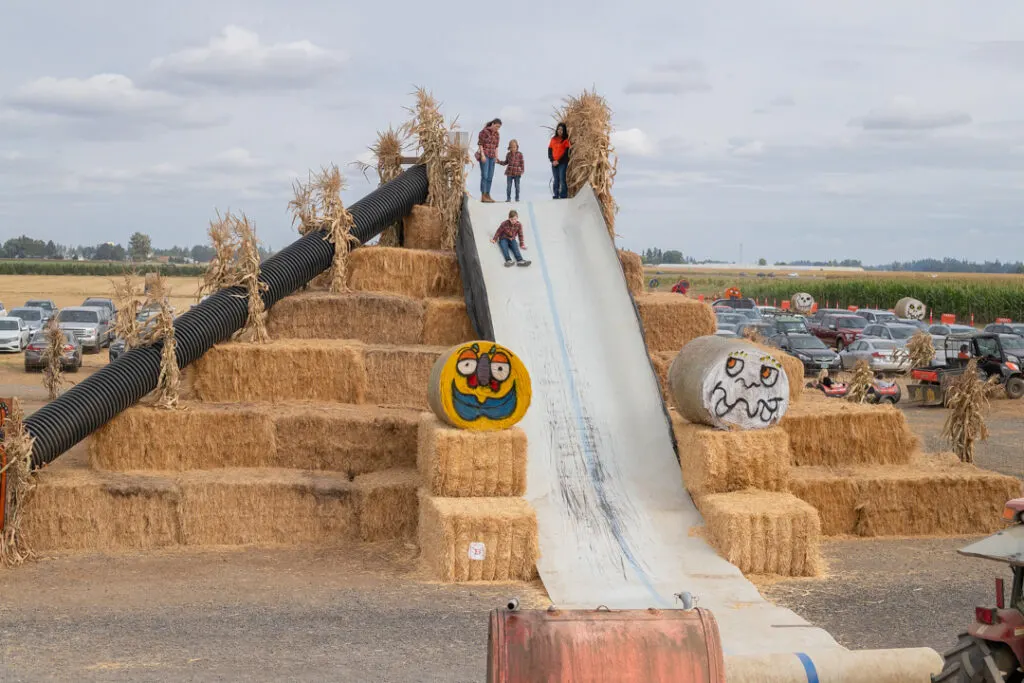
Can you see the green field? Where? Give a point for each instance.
(101, 268)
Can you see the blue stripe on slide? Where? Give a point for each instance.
(812, 673)
(588, 448)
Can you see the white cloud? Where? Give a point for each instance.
(236, 158)
(747, 148)
(11, 155)
(633, 141)
(513, 114)
(904, 114)
(238, 59)
(673, 78)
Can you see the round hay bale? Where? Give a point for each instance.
(728, 383)
(479, 385)
(802, 303)
(911, 308)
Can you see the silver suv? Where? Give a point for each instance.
(90, 326)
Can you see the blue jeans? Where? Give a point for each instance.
(486, 175)
(507, 246)
(561, 190)
(508, 187)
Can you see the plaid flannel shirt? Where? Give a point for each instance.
(510, 229)
(514, 163)
(488, 141)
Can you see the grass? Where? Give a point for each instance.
(108, 268)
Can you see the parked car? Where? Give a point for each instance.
(14, 334)
(770, 311)
(881, 355)
(1005, 328)
(733, 319)
(897, 333)
(726, 330)
(740, 305)
(3, 310)
(70, 359)
(822, 312)
(839, 330)
(89, 326)
(943, 330)
(810, 350)
(97, 302)
(116, 349)
(45, 304)
(33, 317)
(873, 315)
(919, 324)
(790, 324)
(994, 359)
(764, 329)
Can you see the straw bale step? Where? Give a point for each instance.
(371, 318)
(933, 496)
(415, 273)
(465, 463)
(837, 433)
(478, 539)
(672, 320)
(77, 508)
(314, 370)
(309, 436)
(764, 532)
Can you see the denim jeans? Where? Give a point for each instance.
(507, 246)
(486, 175)
(508, 187)
(560, 190)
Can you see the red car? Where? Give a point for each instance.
(838, 330)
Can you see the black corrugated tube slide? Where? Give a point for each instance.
(90, 404)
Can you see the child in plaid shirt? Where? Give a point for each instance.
(509, 238)
(516, 166)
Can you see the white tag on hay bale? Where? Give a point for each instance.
(477, 551)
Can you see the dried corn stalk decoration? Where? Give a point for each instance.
(317, 206)
(592, 159)
(246, 273)
(160, 328)
(967, 399)
(17, 446)
(388, 150)
(127, 295)
(220, 271)
(445, 160)
(861, 382)
(920, 350)
(53, 371)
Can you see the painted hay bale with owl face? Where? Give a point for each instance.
(802, 303)
(910, 308)
(729, 384)
(479, 385)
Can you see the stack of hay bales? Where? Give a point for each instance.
(474, 524)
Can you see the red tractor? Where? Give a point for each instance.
(992, 648)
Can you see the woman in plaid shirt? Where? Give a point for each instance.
(516, 166)
(487, 154)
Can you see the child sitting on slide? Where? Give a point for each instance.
(506, 238)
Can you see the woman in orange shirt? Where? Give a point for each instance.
(558, 155)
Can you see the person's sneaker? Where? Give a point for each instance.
(523, 263)
(509, 264)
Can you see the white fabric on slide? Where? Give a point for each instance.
(614, 517)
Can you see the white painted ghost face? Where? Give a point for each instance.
(908, 307)
(802, 302)
(748, 390)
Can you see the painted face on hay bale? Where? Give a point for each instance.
(729, 384)
(910, 308)
(479, 386)
(802, 302)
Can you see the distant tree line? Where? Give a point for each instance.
(952, 265)
(139, 249)
(656, 257)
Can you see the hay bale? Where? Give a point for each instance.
(76, 508)
(802, 303)
(837, 433)
(462, 463)
(283, 371)
(480, 386)
(792, 366)
(371, 318)
(672, 320)
(421, 229)
(764, 533)
(506, 528)
(934, 496)
(446, 323)
(399, 376)
(662, 362)
(717, 461)
(728, 383)
(909, 307)
(407, 272)
(387, 504)
(202, 437)
(351, 439)
(633, 269)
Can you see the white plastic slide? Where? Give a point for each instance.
(614, 516)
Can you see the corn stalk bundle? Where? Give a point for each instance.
(14, 547)
(445, 161)
(161, 328)
(861, 381)
(387, 151)
(127, 295)
(246, 273)
(920, 350)
(53, 372)
(220, 271)
(592, 159)
(967, 399)
(753, 334)
(317, 206)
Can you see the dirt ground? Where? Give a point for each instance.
(72, 290)
(368, 614)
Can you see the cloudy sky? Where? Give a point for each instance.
(883, 130)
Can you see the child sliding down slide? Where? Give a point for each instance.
(509, 238)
